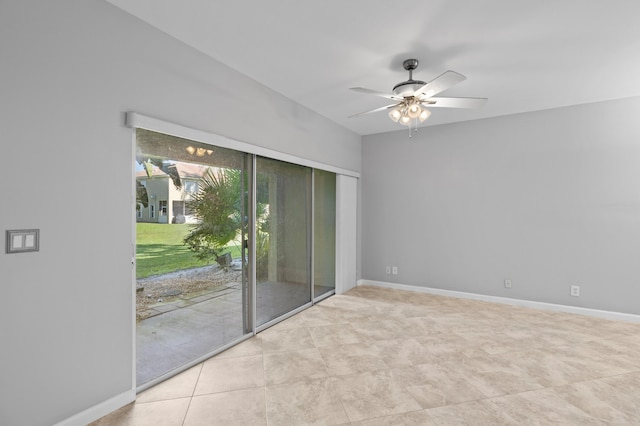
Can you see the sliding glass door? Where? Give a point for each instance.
(204, 216)
(191, 258)
(283, 238)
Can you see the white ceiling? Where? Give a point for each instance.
(524, 55)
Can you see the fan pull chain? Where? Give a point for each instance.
(415, 129)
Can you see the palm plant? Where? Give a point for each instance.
(216, 206)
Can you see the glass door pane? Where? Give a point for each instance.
(283, 237)
(324, 232)
(192, 287)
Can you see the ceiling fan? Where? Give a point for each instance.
(414, 96)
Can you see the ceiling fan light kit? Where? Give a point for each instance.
(412, 97)
(406, 111)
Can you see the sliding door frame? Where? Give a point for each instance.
(346, 211)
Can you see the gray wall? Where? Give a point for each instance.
(69, 69)
(547, 199)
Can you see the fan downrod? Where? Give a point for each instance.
(406, 88)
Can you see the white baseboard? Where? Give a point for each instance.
(617, 316)
(100, 410)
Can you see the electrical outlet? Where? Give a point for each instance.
(507, 283)
(394, 270)
(575, 290)
(387, 269)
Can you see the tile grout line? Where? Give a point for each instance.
(333, 378)
(195, 386)
(264, 388)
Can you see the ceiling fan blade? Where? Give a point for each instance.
(376, 93)
(454, 102)
(373, 110)
(440, 83)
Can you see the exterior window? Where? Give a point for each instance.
(191, 186)
(139, 211)
(163, 208)
(152, 211)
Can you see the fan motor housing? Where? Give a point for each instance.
(407, 88)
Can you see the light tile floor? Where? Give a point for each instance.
(386, 357)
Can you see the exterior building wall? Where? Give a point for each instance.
(161, 188)
(158, 189)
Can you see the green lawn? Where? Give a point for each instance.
(159, 249)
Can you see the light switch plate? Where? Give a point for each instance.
(22, 240)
